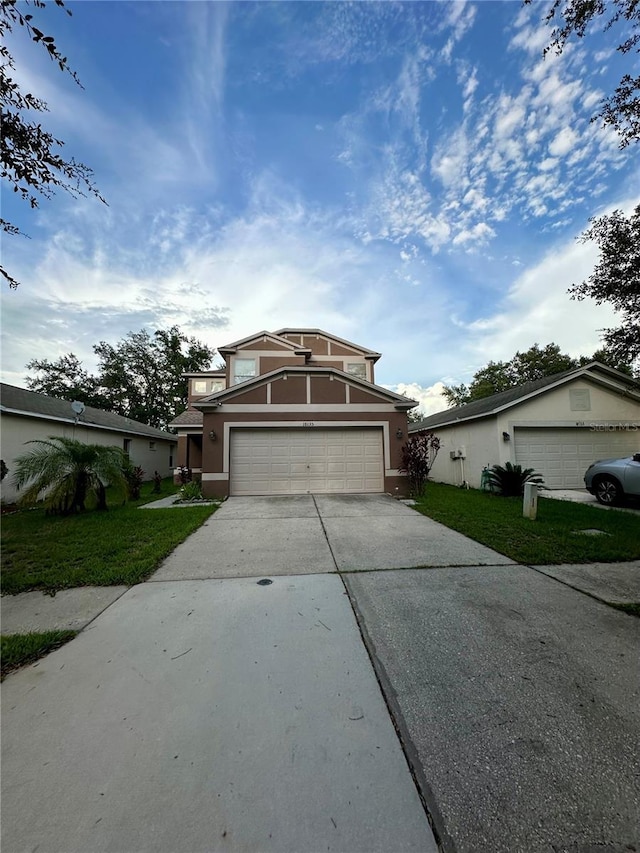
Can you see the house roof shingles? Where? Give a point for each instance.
(490, 405)
(19, 401)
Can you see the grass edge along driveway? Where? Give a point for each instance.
(554, 537)
(123, 545)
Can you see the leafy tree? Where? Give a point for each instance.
(534, 363)
(140, 377)
(572, 18)
(418, 456)
(32, 160)
(67, 472)
(616, 279)
(65, 378)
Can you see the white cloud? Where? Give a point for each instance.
(537, 308)
(479, 234)
(564, 142)
(430, 400)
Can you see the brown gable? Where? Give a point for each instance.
(359, 395)
(316, 343)
(260, 344)
(293, 389)
(325, 390)
(253, 396)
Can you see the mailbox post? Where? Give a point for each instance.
(530, 501)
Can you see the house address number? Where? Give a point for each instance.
(308, 423)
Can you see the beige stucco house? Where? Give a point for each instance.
(295, 411)
(558, 425)
(26, 416)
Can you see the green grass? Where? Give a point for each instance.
(19, 649)
(632, 608)
(498, 523)
(121, 546)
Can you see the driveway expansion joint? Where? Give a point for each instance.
(427, 797)
(324, 530)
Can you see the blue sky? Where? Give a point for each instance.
(408, 176)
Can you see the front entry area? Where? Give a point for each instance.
(276, 461)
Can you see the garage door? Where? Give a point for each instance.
(563, 455)
(299, 461)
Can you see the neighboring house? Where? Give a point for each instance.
(558, 425)
(295, 411)
(26, 416)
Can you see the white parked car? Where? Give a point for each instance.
(611, 480)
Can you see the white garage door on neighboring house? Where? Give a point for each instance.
(563, 455)
(273, 461)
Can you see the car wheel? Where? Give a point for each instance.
(608, 491)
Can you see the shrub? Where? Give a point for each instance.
(157, 483)
(418, 456)
(191, 492)
(133, 474)
(509, 480)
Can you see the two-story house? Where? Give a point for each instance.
(295, 411)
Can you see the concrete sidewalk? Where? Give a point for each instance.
(204, 716)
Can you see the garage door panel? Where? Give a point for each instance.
(563, 455)
(288, 461)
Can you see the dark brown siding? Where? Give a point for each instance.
(181, 460)
(323, 390)
(336, 349)
(318, 346)
(251, 396)
(359, 395)
(290, 390)
(268, 363)
(263, 345)
(397, 421)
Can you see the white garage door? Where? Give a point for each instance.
(563, 455)
(298, 461)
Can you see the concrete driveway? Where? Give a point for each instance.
(322, 533)
(231, 704)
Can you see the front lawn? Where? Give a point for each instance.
(550, 539)
(121, 546)
(20, 649)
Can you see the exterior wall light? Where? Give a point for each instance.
(506, 436)
(213, 436)
(399, 433)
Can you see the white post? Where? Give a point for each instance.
(530, 501)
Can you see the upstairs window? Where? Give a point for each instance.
(243, 369)
(207, 386)
(357, 368)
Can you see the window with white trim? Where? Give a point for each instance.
(207, 386)
(357, 368)
(243, 369)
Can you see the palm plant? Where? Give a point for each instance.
(509, 480)
(67, 472)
